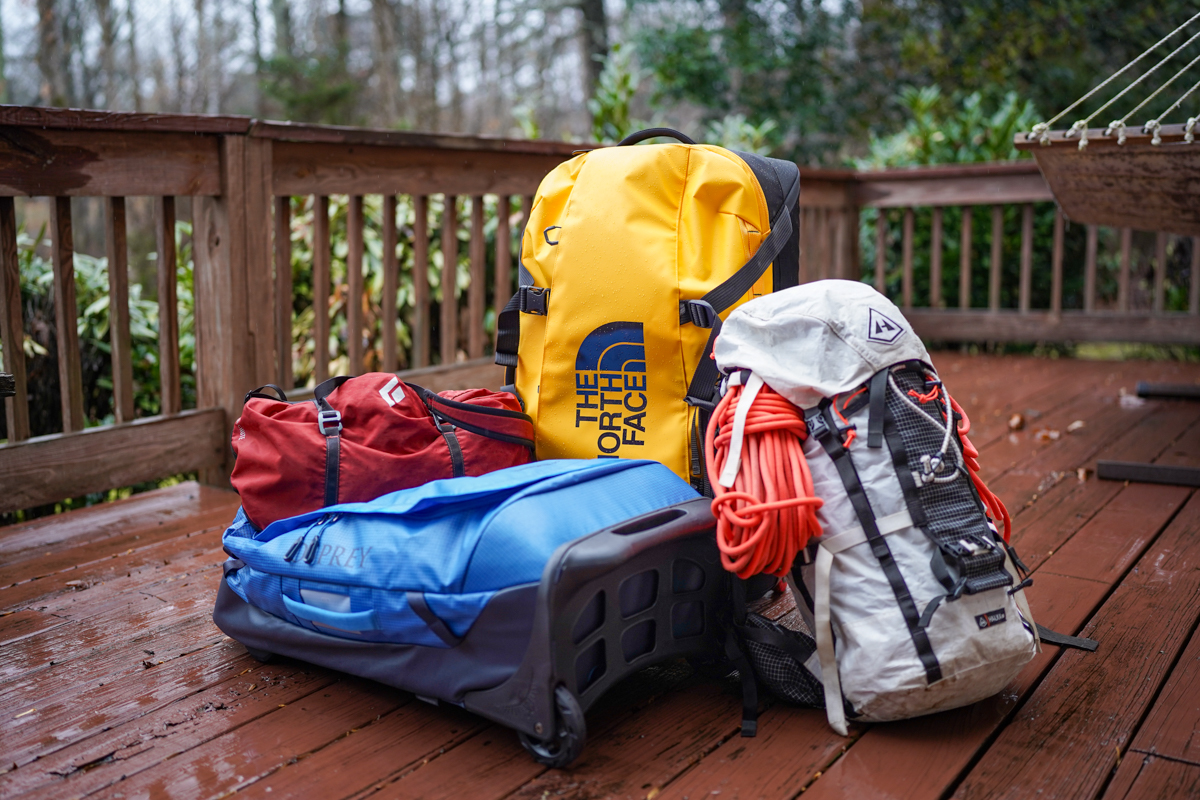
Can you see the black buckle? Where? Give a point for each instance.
(698, 312)
(534, 300)
(327, 419)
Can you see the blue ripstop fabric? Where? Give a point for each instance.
(455, 542)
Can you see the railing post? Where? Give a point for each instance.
(235, 331)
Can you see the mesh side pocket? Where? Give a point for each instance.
(780, 668)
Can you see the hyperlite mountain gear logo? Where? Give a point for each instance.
(881, 329)
(610, 387)
(991, 618)
(392, 392)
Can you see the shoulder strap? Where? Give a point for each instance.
(329, 423)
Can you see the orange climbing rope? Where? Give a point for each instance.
(993, 504)
(769, 514)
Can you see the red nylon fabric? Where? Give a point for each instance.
(386, 445)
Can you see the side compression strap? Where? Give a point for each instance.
(879, 546)
(878, 395)
(329, 423)
(1062, 640)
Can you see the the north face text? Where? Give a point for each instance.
(610, 387)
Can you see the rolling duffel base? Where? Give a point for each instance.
(647, 590)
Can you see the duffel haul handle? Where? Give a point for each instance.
(654, 133)
(352, 622)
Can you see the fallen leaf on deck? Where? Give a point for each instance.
(1046, 435)
(1083, 473)
(1077, 425)
(25, 713)
(1016, 422)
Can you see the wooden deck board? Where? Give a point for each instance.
(94, 590)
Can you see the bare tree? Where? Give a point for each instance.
(387, 64)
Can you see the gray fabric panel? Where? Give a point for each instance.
(488, 655)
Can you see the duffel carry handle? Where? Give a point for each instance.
(261, 394)
(654, 133)
(346, 621)
(326, 388)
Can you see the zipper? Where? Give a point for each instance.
(312, 549)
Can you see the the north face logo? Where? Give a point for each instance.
(610, 387)
(392, 392)
(882, 329)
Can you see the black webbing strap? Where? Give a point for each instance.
(878, 395)
(329, 423)
(726, 294)
(456, 456)
(1063, 640)
(831, 442)
(733, 651)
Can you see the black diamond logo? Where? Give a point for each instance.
(882, 329)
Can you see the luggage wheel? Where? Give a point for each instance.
(566, 742)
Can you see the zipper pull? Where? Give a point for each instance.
(295, 548)
(311, 554)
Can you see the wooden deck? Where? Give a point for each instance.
(115, 683)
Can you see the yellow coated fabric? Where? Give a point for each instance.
(604, 373)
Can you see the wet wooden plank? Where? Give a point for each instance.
(71, 763)
(1123, 270)
(492, 763)
(1172, 728)
(964, 258)
(503, 290)
(881, 252)
(283, 290)
(307, 168)
(44, 163)
(1026, 277)
(1142, 777)
(906, 263)
(420, 319)
(477, 290)
(1010, 325)
(391, 285)
(933, 187)
(12, 326)
(354, 284)
(118, 308)
(1067, 737)
(1042, 527)
(121, 618)
(50, 468)
(1089, 268)
(647, 752)
(266, 744)
(994, 266)
(792, 746)
(70, 378)
(131, 515)
(168, 305)
(16, 625)
(449, 283)
(935, 260)
(1056, 263)
(321, 288)
(396, 743)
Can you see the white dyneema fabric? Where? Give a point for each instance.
(817, 340)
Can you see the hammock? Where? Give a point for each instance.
(1125, 175)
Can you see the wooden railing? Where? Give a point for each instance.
(246, 179)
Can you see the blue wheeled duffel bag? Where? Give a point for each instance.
(520, 595)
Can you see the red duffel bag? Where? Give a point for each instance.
(362, 437)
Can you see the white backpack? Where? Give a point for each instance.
(913, 596)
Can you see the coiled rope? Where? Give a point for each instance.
(767, 514)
